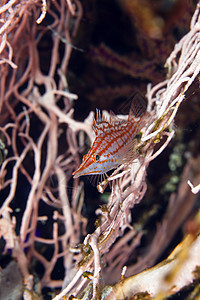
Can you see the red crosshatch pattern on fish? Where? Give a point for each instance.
(115, 142)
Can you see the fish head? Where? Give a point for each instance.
(97, 161)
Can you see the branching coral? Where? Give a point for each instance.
(23, 108)
(43, 142)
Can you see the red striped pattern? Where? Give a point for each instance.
(114, 141)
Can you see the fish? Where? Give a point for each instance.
(115, 143)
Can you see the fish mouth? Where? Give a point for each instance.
(76, 173)
(79, 173)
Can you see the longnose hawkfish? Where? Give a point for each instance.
(115, 143)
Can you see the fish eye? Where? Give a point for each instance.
(97, 157)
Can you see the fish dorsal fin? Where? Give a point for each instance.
(114, 119)
(138, 106)
(101, 123)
